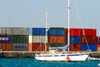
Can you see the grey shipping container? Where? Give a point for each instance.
(5, 31)
(20, 31)
(20, 46)
(40, 39)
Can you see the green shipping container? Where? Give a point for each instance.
(19, 39)
(56, 45)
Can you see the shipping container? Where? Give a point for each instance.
(39, 47)
(57, 39)
(20, 31)
(30, 46)
(30, 31)
(38, 31)
(56, 31)
(40, 39)
(75, 47)
(20, 38)
(73, 39)
(30, 39)
(6, 46)
(5, 38)
(5, 31)
(20, 46)
(73, 32)
(89, 40)
(88, 32)
(98, 40)
(85, 47)
(56, 45)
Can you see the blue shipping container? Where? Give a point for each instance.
(73, 39)
(38, 31)
(5, 38)
(85, 47)
(30, 31)
(55, 31)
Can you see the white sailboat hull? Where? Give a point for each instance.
(62, 57)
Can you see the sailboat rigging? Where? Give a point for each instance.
(63, 56)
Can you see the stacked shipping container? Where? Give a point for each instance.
(37, 40)
(20, 39)
(5, 39)
(56, 37)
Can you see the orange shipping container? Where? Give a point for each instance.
(5, 46)
(56, 39)
(98, 47)
(30, 46)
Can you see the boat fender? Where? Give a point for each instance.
(67, 58)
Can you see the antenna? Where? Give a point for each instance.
(9, 20)
(68, 23)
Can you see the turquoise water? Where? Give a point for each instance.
(30, 62)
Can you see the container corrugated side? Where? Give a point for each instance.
(20, 31)
(40, 39)
(73, 39)
(73, 32)
(85, 47)
(30, 31)
(20, 38)
(57, 31)
(30, 39)
(20, 46)
(75, 47)
(89, 40)
(57, 39)
(56, 45)
(5, 38)
(38, 31)
(5, 31)
(88, 32)
(6, 46)
(39, 47)
(30, 46)
(98, 47)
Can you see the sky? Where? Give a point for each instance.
(31, 13)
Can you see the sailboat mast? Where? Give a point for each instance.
(68, 23)
(46, 29)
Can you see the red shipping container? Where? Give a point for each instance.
(57, 39)
(30, 46)
(39, 47)
(88, 32)
(73, 32)
(5, 46)
(89, 40)
(75, 47)
(98, 47)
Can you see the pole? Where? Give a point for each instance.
(68, 23)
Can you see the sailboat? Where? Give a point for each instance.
(53, 56)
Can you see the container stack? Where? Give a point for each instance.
(89, 40)
(5, 39)
(20, 39)
(37, 39)
(75, 39)
(56, 37)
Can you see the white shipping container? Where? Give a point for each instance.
(40, 39)
(5, 31)
(30, 39)
(20, 46)
(20, 31)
